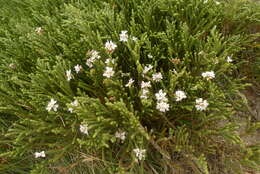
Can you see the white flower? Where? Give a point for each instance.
(130, 82)
(52, 105)
(39, 30)
(180, 95)
(145, 93)
(78, 68)
(84, 128)
(162, 106)
(69, 75)
(110, 46)
(217, 3)
(39, 154)
(70, 110)
(147, 68)
(109, 72)
(229, 60)
(110, 61)
(74, 103)
(90, 62)
(139, 153)
(162, 100)
(134, 38)
(157, 77)
(145, 84)
(161, 96)
(123, 36)
(201, 104)
(208, 75)
(120, 135)
(150, 56)
(94, 55)
(12, 65)
(174, 71)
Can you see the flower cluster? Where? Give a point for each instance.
(121, 135)
(109, 72)
(145, 90)
(39, 154)
(147, 69)
(134, 38)
(74, 103)
(157, 77)
(229, 60)
(130, 82)
(39, 30)
(84, 128)
(123, 36)
(149, 56)
(216, 2)
(180, 95)
(110, 46)
(208, 75)
(69, 75)
(78, 68)
(52, 105)
(139, 153)
(145, 84)
(94, 55)
(110, 61)
(201, 104)
(162, 101)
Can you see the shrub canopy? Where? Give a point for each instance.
(147, 86)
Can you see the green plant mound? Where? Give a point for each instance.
(122, 86)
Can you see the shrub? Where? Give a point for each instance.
(121, 87)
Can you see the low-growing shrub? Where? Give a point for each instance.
(117, 86)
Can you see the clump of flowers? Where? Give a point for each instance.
(208, 75)
(130, 82)
(94, 55)
(139, 153)
(201, 104)
(157, 77)
(84, 128)
(162, 101)
(229, 59)
(145, 90)
(149, 56)
(78, 68)
(39, 30)
(69, 75)
(109, 72)
(147, 69)
(110, 61)
(162, 106)
(39, 154)
(145, 84)
(121, 135)
(123, 36)
(52, 105)
(134, 38)
(74, 103)
(145, 93)
(12, 66)
(110, 46)
(180, 95)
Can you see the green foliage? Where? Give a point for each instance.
(83, 129)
